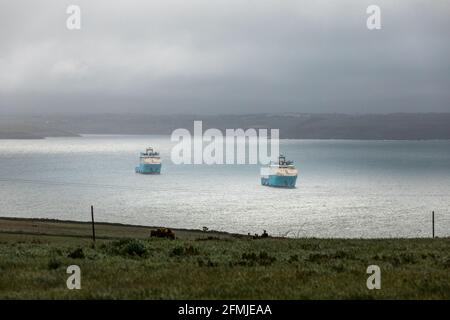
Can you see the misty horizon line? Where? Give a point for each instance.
(294, 125)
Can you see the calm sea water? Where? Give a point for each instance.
(345, 188)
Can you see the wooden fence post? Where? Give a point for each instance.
(93, 224)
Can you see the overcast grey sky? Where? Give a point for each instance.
(225, 56)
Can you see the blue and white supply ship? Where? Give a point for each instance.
(282, 174)
(150, 162)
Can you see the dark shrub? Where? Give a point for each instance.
(208, 238)
(446, 262)
(184, 251)
(177, 251)
(310, 246)
(127, 247)
(54, 263)
(325, 257)
(408, 258)
(206, 263)
(76, 254)
(293, 258)
(398, 259)
(262, 259)
(135, 248)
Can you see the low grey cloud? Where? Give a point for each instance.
(225, 56)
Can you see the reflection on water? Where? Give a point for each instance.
(345, 188)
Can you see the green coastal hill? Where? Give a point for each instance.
(30, 128)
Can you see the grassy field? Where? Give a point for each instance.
(127, 264)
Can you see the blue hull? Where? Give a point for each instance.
(279, 181)
(149, 169)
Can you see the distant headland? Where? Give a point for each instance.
(395, 126)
